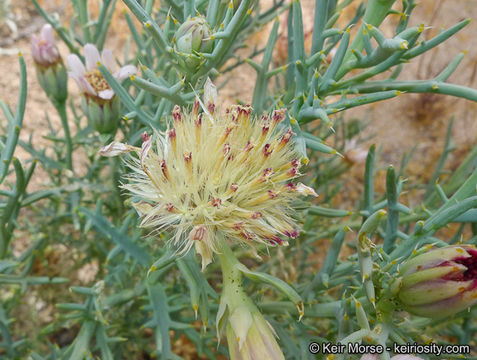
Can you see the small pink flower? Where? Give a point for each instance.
(43, 47)
(89, 78)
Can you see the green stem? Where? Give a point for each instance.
(232, 288)
(84, 19)
(232, 277)
(114, 165)
(245, 323)
(376, 12)
(61, 108)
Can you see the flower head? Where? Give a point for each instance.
(99, 103)
(440, 282)
(43, 47)
(50, 70)
(210, 175)
(89, 78)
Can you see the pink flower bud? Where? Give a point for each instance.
(43, 47)
(440, 282)
(50, 70)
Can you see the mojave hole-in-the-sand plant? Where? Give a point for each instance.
(170, 223)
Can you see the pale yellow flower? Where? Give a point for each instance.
(211, 172)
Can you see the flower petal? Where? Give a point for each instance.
(205, 252)
(125, 72)
(75, 77)
(86, 86)
(210, 94)
(47, 34)
(116, 148)
(305, 190)
(107, 59)
(92, 57)
(83, 84)
(35, 50)
(75, 64)
(106, 94)
(145, 148)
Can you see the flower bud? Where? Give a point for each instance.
(50, 69)
(249, 335)
(440, 282)
(194, 36)
(43, 47)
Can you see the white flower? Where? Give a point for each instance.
(89, 78)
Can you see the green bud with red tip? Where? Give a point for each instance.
(440, 282)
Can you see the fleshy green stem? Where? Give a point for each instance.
(247, 330)
(114, 164)
(232, 277)
(61, 108)
(376, 12)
